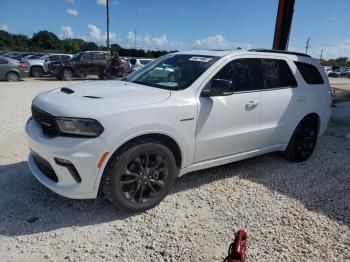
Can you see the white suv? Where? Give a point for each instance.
(182, 112)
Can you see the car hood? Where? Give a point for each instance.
(91, 98)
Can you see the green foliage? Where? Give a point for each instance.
(49, 42)
(45, 40)
(340, 61)
(89, 46)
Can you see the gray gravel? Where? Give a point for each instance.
(291, 211)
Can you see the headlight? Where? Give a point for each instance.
(79, 126)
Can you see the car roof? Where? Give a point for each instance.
(258, 52)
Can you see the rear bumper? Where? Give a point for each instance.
(83, 153)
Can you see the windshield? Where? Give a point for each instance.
(172, 72)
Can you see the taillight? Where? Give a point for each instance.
(22, 66)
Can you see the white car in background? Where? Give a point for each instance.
(131, 139)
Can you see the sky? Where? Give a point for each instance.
(185, 24)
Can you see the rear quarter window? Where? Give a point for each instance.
(310, 73)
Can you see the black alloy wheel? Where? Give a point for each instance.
(140, 175)
(143, 177)
(303, 140)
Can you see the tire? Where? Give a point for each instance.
(12, 77)
(135, 184)
(102, 77)
(36, 71)
(303, 140)
(66, 74)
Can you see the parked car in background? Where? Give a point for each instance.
(39, 63)
(12, 70)
(85, 63)
(55, 58)
(130, 139)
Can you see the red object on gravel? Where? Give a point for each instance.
(237, 249)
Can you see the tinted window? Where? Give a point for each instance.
(54, 58)
(85, 57)
(275, 73)
(242, 73)
(2, 61)
(310, 73)
(65, 57)
(98, 56)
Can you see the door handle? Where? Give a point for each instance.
(250, 105)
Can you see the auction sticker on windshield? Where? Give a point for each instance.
(200, 59)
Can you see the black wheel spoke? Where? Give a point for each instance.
(159, 183)
(140, 198)
(149, 183)
(124, 182)
(144, 177)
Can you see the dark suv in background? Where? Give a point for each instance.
(80, 65)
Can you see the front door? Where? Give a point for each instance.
(85, 64)
(229, 125)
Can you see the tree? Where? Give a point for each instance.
(72, 45)
(89, 46)
(45, 40)
(6, 40)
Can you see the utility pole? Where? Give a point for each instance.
(107, 9)
(321, 55)
(135, 38)
(307, 45)
(283, 24)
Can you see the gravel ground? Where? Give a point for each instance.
(291, 211)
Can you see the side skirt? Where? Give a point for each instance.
(231, 158)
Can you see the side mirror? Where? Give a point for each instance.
(218, 87)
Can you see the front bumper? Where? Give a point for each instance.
(83, 153)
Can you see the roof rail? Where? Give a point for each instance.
(278, 51)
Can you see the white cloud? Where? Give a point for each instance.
(146, 41)
(101, 2)
(341, 48)
(218, 42)
(67, 32)
(94, 33)
(5, 28)
(72, 11)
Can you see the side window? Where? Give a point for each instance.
(275, 73)
(65, 57)
(310, 73)
(2, 61)
(85, 57)
(98, 56)
(242, 73)
(54, 58)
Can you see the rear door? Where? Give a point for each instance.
(99, 63)
(282, 100)
(229, 125)
(85, 64)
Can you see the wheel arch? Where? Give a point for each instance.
(165, 139)
(13, 71)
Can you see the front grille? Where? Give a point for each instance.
(46, 121)
(45, 167)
